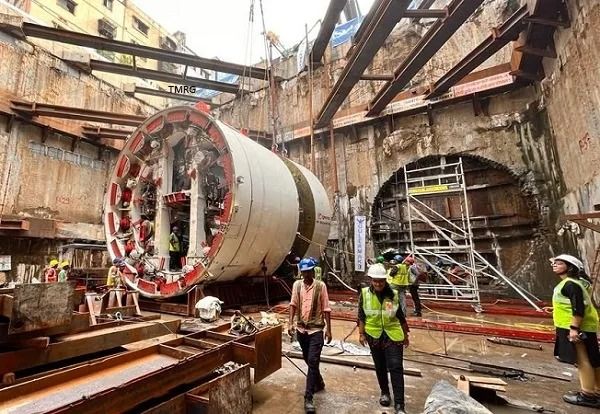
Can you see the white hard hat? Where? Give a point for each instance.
(567, 258)
(377, 271)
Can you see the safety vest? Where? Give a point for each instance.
(562, 313)
(381, 317)
(401, 278)
(50, 275)
(174, 243)
(318, 273)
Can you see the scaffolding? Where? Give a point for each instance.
(451, 254)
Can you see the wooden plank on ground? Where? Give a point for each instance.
(70, 346)
(482, 380)
(41, 306)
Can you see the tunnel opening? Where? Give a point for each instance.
(503, 217)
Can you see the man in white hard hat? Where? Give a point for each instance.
(382, 325)
(576, 322)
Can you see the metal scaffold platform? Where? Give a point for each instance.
(451, 253)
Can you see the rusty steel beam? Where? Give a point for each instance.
(384, 19)
(164, 55)
(108, 133)
(500, 37)
(175, 79)
(376, 77)
(71, 346)
(327, 26)
(169, 95)
(33, 109)
(439, 33)
(426, 13)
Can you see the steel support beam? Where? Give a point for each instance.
(426, 13)
(96, 42)
(384, 19)
(331, 17)
(31, 109)
(377, 77)
(166, 77)
(164, 94)
(430, 43)
(108, 133)
(500, 37)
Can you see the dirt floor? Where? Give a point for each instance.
(351, 390)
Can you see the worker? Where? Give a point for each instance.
(309, 306)
(576, 322)
(175, 249)
(51, 273)
(63, 275)
(398, 278)
(416, 272)
(113, 278)
(146, 232)
(382, 325)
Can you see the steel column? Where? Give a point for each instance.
(500, 37)
(430, 43)
(96, 42)
(331, 17)
(383, 22)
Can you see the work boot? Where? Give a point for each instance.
(385, 400)
(309, 405)
(579, 398)
(399, 409)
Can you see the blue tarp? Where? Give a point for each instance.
(221, 77)
(344, 32)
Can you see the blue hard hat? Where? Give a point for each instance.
(315, 260)
(307, 264)
(399, 258)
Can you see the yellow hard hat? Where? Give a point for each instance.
(65, 263)
(53, 262)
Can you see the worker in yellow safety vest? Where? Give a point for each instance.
(576, 322)
(382, 325)
(398, 276)
(175, 249)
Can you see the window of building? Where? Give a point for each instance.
(106, 29)
(67, 5)
(108, 4)
(140, 25)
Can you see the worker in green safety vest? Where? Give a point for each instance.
(398, 276)
(382, 325)
(576, 322)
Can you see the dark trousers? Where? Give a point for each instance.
(311, 352)
(414, 294)
(175, 260)
(387, 356)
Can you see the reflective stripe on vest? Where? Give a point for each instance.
(401, 278)
(381, 317)
(562, 312)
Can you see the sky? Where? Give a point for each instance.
(219, 28)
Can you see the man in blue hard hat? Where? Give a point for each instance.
(309, 305)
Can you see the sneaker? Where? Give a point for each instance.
(579, 398)
(399, 409)
(309, 405)
(385, 400)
